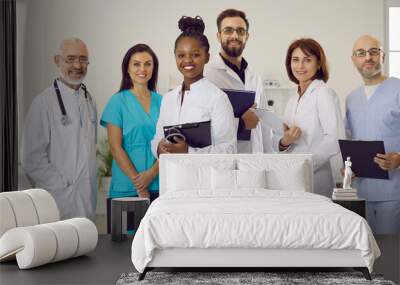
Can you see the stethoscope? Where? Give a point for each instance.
(173, 132)
(65, 119)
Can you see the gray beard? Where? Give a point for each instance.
(368, 75)
(71, 81)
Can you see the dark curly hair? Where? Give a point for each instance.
(193, 28)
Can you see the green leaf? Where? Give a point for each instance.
(104, 158)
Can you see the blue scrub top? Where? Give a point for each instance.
(377, 119)
(138, 128)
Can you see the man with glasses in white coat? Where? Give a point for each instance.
(373, 113)
(229, 70)
(58, 151)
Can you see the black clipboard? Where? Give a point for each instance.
(196, 134)
(362, 155)
(241, 101)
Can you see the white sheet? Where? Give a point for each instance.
(252, 218)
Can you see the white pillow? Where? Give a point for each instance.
(281, 174)
(182, 177)
(290, 178)
(223, 179)
(251, 178)
(187, 175)
(227, 179)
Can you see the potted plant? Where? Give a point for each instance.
(104, 161)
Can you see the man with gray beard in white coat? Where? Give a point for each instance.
(58, 151)
(229, 70)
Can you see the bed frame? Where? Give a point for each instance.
(242, 259)
(245, 258)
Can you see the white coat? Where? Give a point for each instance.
(62, 158)
(224, 77)
(317, 114)
(203, 102)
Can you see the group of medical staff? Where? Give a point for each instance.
(59, 137)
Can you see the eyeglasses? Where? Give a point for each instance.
(228, 31)
(73, 59)
(371, 51)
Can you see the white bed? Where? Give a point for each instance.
(247, 211)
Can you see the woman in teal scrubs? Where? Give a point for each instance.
(130, 117)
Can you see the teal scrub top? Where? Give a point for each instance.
(138, 128)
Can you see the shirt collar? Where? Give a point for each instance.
(243, 64)
(193, 85)
(68, 90)
(313, 85)
(240, 72)
(372, 86)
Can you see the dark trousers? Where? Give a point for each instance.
(130, 215)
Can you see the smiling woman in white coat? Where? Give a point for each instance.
(197, 99)
(312, 120)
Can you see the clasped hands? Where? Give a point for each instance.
(141, 181)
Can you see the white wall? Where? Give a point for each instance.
(111, 27)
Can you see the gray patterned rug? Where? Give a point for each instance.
(243, 278)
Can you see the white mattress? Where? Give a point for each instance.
(253, 218)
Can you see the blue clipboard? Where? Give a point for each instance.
(241, 101)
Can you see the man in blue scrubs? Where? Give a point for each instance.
(373, 113)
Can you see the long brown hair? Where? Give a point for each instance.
(126, 82)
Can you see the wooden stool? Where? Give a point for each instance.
(119, 209)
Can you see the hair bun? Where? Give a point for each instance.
(187, 24)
